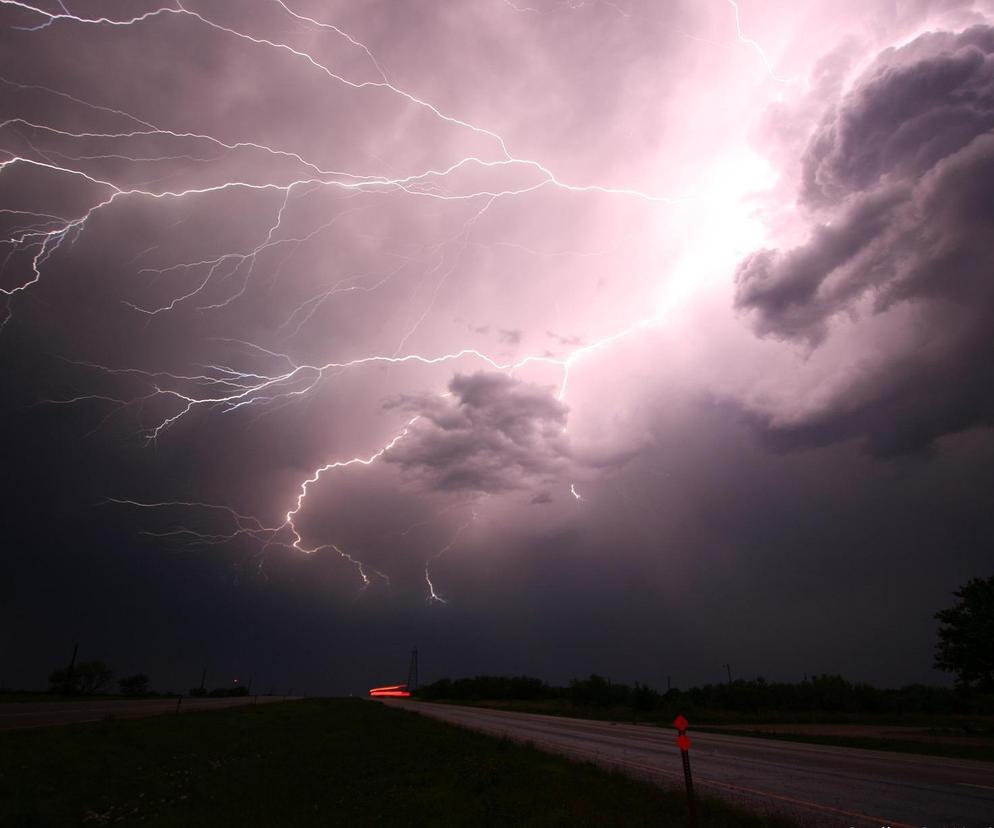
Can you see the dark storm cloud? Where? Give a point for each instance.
(901, 176)
(791, 291)
(491, 433)
(686, 526)
(916, 106)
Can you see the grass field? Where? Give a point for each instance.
(966, 729)
(311, 763)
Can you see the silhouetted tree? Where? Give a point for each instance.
(643, 698)
(59, 681)
(598, 691)
(136, 685)
(93, 676)
(86, 678)
(966, 635)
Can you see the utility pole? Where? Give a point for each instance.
(728, 667)
(203, 679)
(412, 672)
(67, 690)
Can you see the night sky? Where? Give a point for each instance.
(546, 337)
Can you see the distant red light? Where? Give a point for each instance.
(394, 691)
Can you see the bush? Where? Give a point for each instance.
(85, 678)
(136, 685)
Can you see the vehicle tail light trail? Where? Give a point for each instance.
(393, 691)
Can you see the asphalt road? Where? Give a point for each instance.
(815, 784)
(19, 715)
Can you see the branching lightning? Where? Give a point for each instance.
(433, 596)
(39, 236)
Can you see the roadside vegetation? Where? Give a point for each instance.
(94, 681)
(938, 712)
(820, 698)
(946, 721)
(320, 763)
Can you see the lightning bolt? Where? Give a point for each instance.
(224, 388)
(433, 596)
(755, 46)
(341, 464)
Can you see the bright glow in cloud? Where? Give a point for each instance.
(427, 275)
(718, 237)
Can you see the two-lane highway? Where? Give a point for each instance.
(817, 784)
(20, 715)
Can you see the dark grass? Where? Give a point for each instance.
(712, 721)
(311, 763)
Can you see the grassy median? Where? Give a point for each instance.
(320, 763)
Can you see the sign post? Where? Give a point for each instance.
(683, 742)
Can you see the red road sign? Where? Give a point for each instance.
(683, 742)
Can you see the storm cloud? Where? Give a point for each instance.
(899, 181)
(491, 433)
(300, 301)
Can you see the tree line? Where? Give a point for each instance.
(95, 677)
(821, 694)
(965, 647)
(88, 678)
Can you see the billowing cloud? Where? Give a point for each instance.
(293, 290)
(899, 178)
(914, 107)
(490, 433)
(795, 293)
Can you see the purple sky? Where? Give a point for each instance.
(548, 337)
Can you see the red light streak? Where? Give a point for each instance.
(394, 691)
